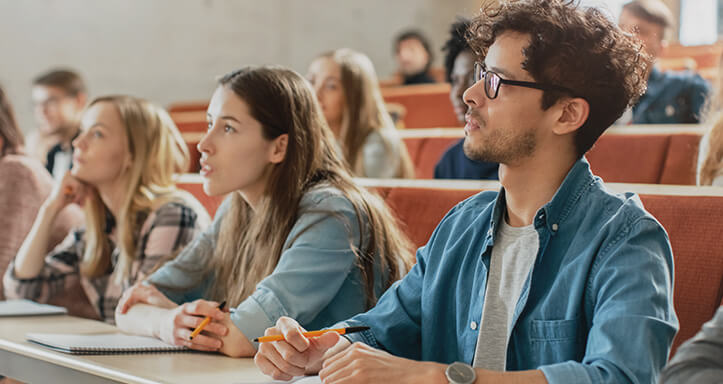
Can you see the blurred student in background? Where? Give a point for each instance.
(414, 58)
(124, 159)
(347, 88)
(459, 67)
(25, 185)
(710, 153)
(59, 97)
(671, 97)
(700, 359)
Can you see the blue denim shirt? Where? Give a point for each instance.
(672, 98)
(316, 280)
(597, 306)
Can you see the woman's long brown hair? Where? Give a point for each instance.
(12, 136)
(250, 241)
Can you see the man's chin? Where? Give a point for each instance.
(480, 152)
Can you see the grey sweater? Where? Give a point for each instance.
(700, 359)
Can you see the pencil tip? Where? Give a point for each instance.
(256, 340)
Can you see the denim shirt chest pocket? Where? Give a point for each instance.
(556, 340)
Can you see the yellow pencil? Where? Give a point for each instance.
(203, 324)
(341, 331)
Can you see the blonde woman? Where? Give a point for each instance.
(296, 237)
(123, 163)
(710, 155)
(348, 91)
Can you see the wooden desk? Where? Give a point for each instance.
(28, 362)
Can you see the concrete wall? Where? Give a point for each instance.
(170, 50)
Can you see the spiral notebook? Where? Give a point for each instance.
(101, 343)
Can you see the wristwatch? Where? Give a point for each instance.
(460, 373)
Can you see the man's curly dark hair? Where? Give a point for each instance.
(574, 47)
(456, 44)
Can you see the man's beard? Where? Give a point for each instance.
(498, 146)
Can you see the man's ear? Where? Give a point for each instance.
(278, 148)
(572, 116)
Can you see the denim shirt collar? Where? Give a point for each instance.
(554, 213)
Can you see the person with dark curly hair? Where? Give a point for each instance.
(553, 279)
(459, 67)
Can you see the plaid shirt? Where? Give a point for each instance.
(163, 233)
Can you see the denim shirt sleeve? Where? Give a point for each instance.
(395, 322)
(627, 310)
(317, 260)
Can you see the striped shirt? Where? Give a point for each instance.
(162, 234)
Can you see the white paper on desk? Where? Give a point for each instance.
(11, 308)
(295, 380)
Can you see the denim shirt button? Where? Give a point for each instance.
(473, 325)
(554, 227)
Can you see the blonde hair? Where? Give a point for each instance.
(365, 112)
(250, 242)
(157, 151)
(712, 164)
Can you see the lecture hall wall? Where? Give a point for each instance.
(170, 50)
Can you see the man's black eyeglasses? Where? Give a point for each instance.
(493, 81)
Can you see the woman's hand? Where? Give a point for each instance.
(143, 293)
(179, 323)
(68, 191)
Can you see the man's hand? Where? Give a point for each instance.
(296, 355)
(361, 363)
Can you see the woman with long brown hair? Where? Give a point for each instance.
(123, 164)
(296, 236)
(348, 91)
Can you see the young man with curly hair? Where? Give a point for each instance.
(551, 279)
